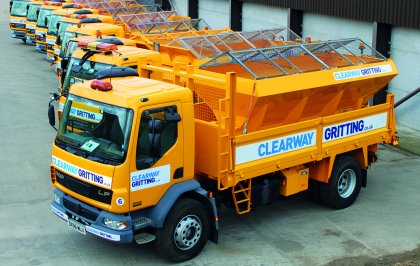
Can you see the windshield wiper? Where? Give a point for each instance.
(104, 159)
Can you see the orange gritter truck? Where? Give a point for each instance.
(152, 158)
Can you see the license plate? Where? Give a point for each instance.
(79, 227)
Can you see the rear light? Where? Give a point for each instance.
(98, 34)
(101, 85)
(308, 40)
(81, 16)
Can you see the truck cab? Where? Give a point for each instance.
(17, 22)
(77, 20)
(42, 23)
(31, 20)
(92, 58)
(74, 43)
(54, 22)
(122, 152)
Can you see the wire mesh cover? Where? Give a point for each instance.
(291, 59)
(169, 26)
(207, 46)
(127, 10)
(134, 20)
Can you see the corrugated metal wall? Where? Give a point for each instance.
(405, 13)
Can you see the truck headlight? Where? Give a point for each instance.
(117, 225)
(57, 199)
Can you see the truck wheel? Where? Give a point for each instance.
(344, 184)
(185, 231)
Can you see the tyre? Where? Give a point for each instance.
(344, 184)
(185, 231)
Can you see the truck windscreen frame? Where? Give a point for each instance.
(94, 130)
(52, 24)
(43, 13)
(87, 72)
(19, 9)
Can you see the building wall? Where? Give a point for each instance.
(214, 12)
(321, 27)
(257, 16)
(181, 7)
(405, 51)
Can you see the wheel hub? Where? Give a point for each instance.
(187, 232)
(346, 183)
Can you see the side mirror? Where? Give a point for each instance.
(37, 13)
(58, 41)
(46, 21)
(57, 26)
(51, 115)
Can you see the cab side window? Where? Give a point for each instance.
(157, 134)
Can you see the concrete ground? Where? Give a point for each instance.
(384, 220)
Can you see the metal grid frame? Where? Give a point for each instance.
(207, 46)
(292, 59)
(170, 26)
(128, 10)
(135, 21)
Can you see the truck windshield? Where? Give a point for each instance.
(63, 27)
(52, 24)
(43, 13)
(93, 130)
(19, 8)
(70, 48)
(32, 16)
(88, 71)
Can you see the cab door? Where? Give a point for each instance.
(159, 154)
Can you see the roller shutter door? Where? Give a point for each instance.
(320, 27)
(405, 51)
(181, 7)
(214, 12)
(257, 16)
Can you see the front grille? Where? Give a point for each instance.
(30, 31)
(79, 210)
(83, 188)
(50, 47)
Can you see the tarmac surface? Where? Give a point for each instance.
(385, 219)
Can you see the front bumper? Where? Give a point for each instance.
(18, 34)
(91, 218)
(50, 57)
(30, 39)
(41, 47)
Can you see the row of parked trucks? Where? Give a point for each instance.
(163, 120)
